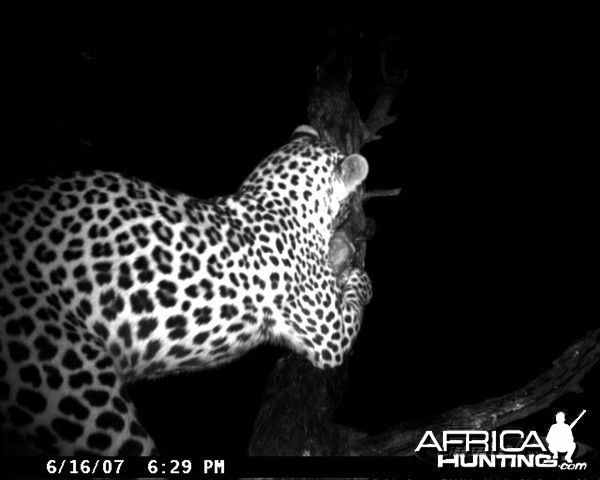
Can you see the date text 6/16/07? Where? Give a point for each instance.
(76, 467)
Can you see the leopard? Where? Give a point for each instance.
(107, 279)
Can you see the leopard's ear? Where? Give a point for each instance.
(304, 131)
(354, 170)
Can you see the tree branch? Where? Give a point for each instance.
(379, 118)
(382, 193)
(563, 377)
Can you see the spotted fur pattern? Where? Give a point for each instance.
(105, 279)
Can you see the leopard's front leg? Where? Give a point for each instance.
(356, 294)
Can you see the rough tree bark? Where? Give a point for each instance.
(296, 417)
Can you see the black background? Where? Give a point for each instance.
(482, 267)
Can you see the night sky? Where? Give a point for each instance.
(481, 268)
